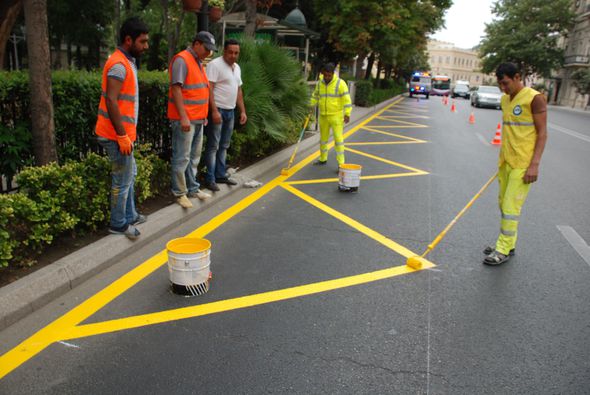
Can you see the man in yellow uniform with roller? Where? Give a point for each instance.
(332, 97)
(524, 134)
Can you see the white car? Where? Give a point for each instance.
(486, 96)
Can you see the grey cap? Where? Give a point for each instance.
(207, 39)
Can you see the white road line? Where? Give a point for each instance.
(569, 131)
(69, 344)
(482, 139)
(576, 241)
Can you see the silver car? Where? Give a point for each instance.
(486, 96)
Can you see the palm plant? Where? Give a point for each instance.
(275, 94)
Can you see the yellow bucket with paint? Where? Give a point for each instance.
(188, 265)
(349, 177)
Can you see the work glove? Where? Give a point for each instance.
(125, 144)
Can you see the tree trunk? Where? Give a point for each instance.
(370, 65)
(43, 129)
(9, 11)
(173, 37)
(250, 28)
(117, 6)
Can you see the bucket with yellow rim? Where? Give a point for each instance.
(188, 265)
(349, 177)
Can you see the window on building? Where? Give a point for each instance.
(440, 59)
(448, 59)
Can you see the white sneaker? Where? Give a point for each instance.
(184, 202)
(201, 195)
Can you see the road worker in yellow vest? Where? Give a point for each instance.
(524, 134)
(333, 100)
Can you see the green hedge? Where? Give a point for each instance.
(74, 198)
(75, 100)
(364, 90)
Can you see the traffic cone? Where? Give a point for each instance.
(453, 108)
(472, 118)
(446, 100)
(498, 137)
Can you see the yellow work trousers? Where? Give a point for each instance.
(336, 123)
(512, 195)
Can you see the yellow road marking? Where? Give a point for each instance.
(390, 162)
(372, 130)
(402, 116)
(374, 177)
(386, 143)
(400, 124)
(403, 251)
(233, 304)
(66, 323)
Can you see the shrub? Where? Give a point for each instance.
(73, 197)
(364, 89)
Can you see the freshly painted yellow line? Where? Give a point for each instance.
(351, 222)
(396, 117)
(375, 177)
(235, 303)
(372, 130)
(390, 162)
(55, 330)
(387, 143)
(399, 124)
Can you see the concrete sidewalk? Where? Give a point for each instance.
(32, 292)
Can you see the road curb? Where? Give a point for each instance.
(39, 288)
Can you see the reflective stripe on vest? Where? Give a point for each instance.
(125, 100)
(518, 132)
(195, 90)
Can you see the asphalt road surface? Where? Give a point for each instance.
(311, 293)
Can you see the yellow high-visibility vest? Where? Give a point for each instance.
(332, 98)
(519, 135)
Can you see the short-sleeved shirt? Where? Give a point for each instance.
(227, 80)
(179, 72)
(118, 72)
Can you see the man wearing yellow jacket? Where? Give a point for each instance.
(524, 134)
(332, 97)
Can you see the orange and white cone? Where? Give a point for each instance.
(472, 118)
(453, 108)
(498, 137)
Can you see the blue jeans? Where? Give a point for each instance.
(218, 139)
(186, 154)
(124, 171)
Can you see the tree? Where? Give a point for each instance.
(250, 28)
(581, 80)
(43, 128)
(526, 32)
(9, 11)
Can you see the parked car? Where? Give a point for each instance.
(460, 90)
(486, 96)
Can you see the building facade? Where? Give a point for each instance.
(456, 63)
(577, 55)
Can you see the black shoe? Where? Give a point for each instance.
(139, 220)
(211, 186)
(488, 250)
(320, 162)
(496, 258)
(226, 180)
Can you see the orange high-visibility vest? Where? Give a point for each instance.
(125, 101)
(195, 90)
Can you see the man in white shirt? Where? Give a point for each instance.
(225, 92)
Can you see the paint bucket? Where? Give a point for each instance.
(188, 265)
(349, 177)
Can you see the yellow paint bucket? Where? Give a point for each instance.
(188, 265)
(349, 177)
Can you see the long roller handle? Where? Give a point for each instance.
(298, 141)
(449, 226)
